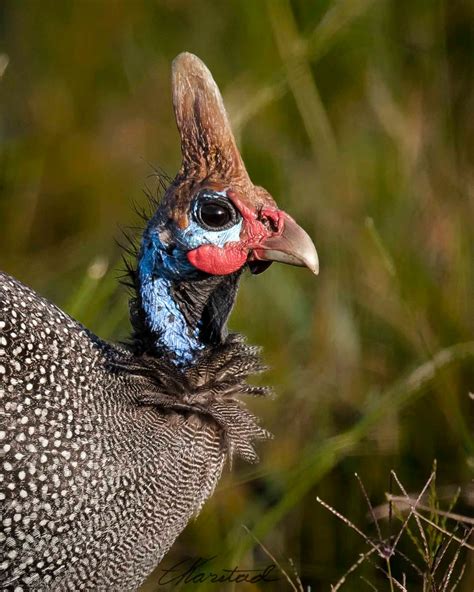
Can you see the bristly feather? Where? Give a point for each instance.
(154, 196)
(210, 389)
(140, 340)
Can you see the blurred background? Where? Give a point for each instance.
(357, 115)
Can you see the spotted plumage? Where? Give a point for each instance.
(97, 445)
(108, 451)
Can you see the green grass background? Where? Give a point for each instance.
(357, 115)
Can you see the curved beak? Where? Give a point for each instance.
(292, 246)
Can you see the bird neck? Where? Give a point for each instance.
(183, 317)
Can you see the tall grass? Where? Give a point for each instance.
(357, 116)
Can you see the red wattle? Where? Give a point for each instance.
(217, 260)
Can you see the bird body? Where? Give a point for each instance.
(105, 462)
(108, 451)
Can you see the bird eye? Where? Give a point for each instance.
(215, 214)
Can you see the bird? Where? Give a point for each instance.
(108, 450)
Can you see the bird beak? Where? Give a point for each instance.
(292, 245)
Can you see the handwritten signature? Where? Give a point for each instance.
(196, 571)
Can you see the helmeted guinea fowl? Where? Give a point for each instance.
(108, 451)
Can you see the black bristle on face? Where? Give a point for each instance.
(130, 242)
(141, 339)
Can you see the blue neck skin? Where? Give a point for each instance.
(163, 315)
(160, 270)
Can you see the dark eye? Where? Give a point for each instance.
(215, 214)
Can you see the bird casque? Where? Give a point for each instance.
(108, 451)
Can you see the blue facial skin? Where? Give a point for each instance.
(158, 268)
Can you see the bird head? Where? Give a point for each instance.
(213, 220)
